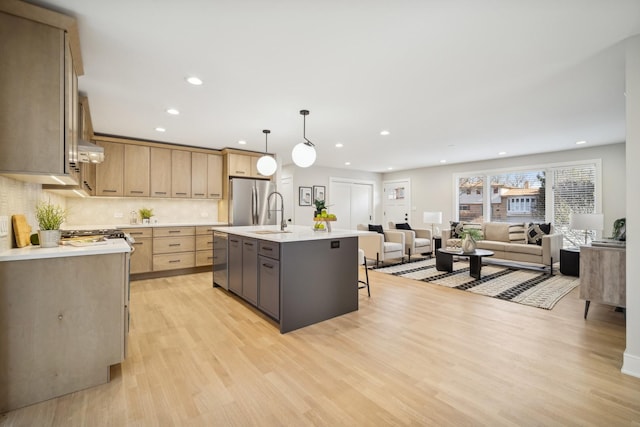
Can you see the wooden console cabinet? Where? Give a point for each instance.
(603, 276)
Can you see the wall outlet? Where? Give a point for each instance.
(118, 215)
(4, 226)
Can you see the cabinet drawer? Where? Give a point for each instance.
(173, 244)
(173, 261)
(173, 231)
(204, 243)
(204, 258)
(139, 233)
(204, 229)
(269, 249)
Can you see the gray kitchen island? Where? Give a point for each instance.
(298, 277)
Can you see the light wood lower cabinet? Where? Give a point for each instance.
(64, 321)
(173, 248)
(141, 258)
(204, 246)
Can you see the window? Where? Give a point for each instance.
(542, 194)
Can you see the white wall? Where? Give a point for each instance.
(315, 175)
(432, 189)
(631, 364)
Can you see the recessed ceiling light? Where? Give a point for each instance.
(384, 132)
(580, 142)
(443, 161)
(194, 81)
(502, 153)
(339, 145)
(159, 129)
(389, 168)
(242, 142)
(347, 163)
(173, 111)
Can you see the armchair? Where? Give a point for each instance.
(382, 246)
(416, 240)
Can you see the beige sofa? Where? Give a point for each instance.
(510, 242)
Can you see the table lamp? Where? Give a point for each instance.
(586, 222)
(432, 218)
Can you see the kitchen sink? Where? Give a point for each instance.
(269, 232)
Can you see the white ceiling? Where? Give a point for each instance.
(458, 80)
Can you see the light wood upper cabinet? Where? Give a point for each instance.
(180, 173)
(109, 176)
(136, 171)
(160, 172)
(206, 176)
(35, 133)
(214, 176)
(239, 165)
(199, 176)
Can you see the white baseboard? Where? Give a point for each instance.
(631, 365)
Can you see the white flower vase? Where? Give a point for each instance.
(468, 244)
(49, 238)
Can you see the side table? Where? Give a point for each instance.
(570, 261)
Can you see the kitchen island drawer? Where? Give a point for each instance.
(173, 261)
(174, 244)
(204, 258)
(173, 231)
(269, 249)
(204, 243)
(204, 229)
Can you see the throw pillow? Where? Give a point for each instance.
(517, 233)
(456, 229)
(536, 231)
(404, 226)
(377, 228)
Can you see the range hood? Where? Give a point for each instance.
(88, 152)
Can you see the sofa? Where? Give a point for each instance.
(523, 242)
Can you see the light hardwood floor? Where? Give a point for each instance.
(414, 354)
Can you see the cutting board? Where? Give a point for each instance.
(22, 230)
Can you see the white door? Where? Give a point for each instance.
(396, 202)
(286, 189)
(351, 202)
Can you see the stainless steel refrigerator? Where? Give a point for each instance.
(248, 202)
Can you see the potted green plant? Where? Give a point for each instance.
(50, 217)
(146, 214)
(469, 238)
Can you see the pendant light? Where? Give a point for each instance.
(304, 153)
(267, 165)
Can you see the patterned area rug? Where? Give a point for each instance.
(527, 287)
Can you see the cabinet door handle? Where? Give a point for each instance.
(214, 194)
(138, 243)
(181, 194)
(136, 192)
(267, 266)
(265, 248)
(159, 192)
(174, 231)
(198, 194)
(173, 261)
(240, 172)
(174, 244)
(109, 191)
(248, 243)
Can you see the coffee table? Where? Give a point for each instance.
(444, 260)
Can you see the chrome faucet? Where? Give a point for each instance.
(283, 223)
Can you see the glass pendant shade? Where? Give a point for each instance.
(303, 155)
(267, 165)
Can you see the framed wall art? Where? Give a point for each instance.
(319, 192)
(304, 196)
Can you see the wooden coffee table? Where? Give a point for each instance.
(444, 260)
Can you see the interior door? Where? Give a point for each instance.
(361, 204)
(396, 203)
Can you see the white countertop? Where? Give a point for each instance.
(110, 246)
(125, 226)
(293, 233)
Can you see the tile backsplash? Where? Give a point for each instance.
(116, 211)
(18, 197)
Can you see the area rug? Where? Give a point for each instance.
(532, 288)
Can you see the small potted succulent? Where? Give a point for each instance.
(469, 238)
(50, 217)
